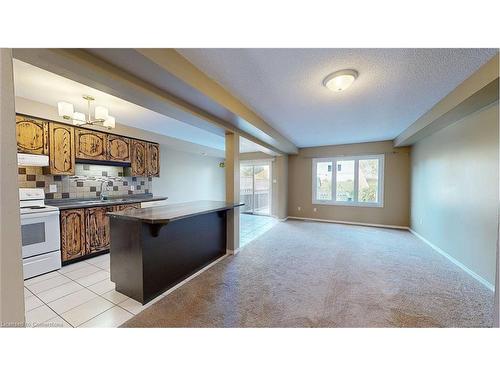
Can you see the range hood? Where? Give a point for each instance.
(30, 160)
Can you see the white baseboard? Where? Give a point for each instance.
(349, 223)
(233, 252)
(454, 261)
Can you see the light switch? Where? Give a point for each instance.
(53, 188)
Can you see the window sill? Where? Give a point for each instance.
(347, 204)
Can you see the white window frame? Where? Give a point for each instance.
(334, 160)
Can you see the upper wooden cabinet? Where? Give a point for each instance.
(153, 159)
(118, 148)
(61, 149)
(138, 154)
(66, 143)
(32, 135)
(90, 145)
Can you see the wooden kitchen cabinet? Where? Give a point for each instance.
(61, 149)
(72, 234)
(85, 231)
(118, 148)
(138, 154)
(121, 207)
(32, 135)
(153, 159)
(90, 145)
(97, 229)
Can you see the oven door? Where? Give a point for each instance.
(40, 233)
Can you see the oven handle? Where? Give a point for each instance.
(39, 214)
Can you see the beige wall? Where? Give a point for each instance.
(455, 190)
(11, 272)
(185, 176)
(396, 186)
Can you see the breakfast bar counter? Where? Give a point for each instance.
(152, 249)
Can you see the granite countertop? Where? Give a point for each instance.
(65, 204)
(172, 212)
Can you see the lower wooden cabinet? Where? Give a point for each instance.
(121, 207)
(73, 242)
(86, 231)
(97, 229)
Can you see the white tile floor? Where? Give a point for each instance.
(82, 294)
(78, 295)
(252, 226)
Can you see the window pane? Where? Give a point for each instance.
(368, 181)
(324, 180)
(246, 187)
(345, 181)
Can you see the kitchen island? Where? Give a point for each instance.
(152, 249)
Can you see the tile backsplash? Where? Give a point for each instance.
(86, 183)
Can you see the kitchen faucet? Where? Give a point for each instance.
(104, 197)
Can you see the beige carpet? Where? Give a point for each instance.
(305, 274)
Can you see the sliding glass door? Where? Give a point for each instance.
(255, 187)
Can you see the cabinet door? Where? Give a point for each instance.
(118, 148)
(153, 159)
(72, 234)
(122, 207)
(61, 149)
(90, 145)
(138, 162)
(97, 225)
(32, 135)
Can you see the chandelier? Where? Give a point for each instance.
(101, 116)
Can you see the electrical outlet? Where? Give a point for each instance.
(132, 187)
(299, 208)
(53, 188)
(421, 221)
(315, 209)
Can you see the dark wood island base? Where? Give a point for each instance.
(153, 249)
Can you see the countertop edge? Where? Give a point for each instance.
(105, 203)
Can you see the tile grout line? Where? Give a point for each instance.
(98, 315)
(83, 286)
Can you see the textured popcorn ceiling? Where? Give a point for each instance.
(284, 86)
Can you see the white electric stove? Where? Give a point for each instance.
(40, 233)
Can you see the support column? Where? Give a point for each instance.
(233, 190)
(497, 285)
(11, 270)
(282, 179)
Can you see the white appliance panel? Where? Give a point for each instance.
(41, 264)
(40, 233)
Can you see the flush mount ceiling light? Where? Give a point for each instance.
(101, 118)
(341, 80)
